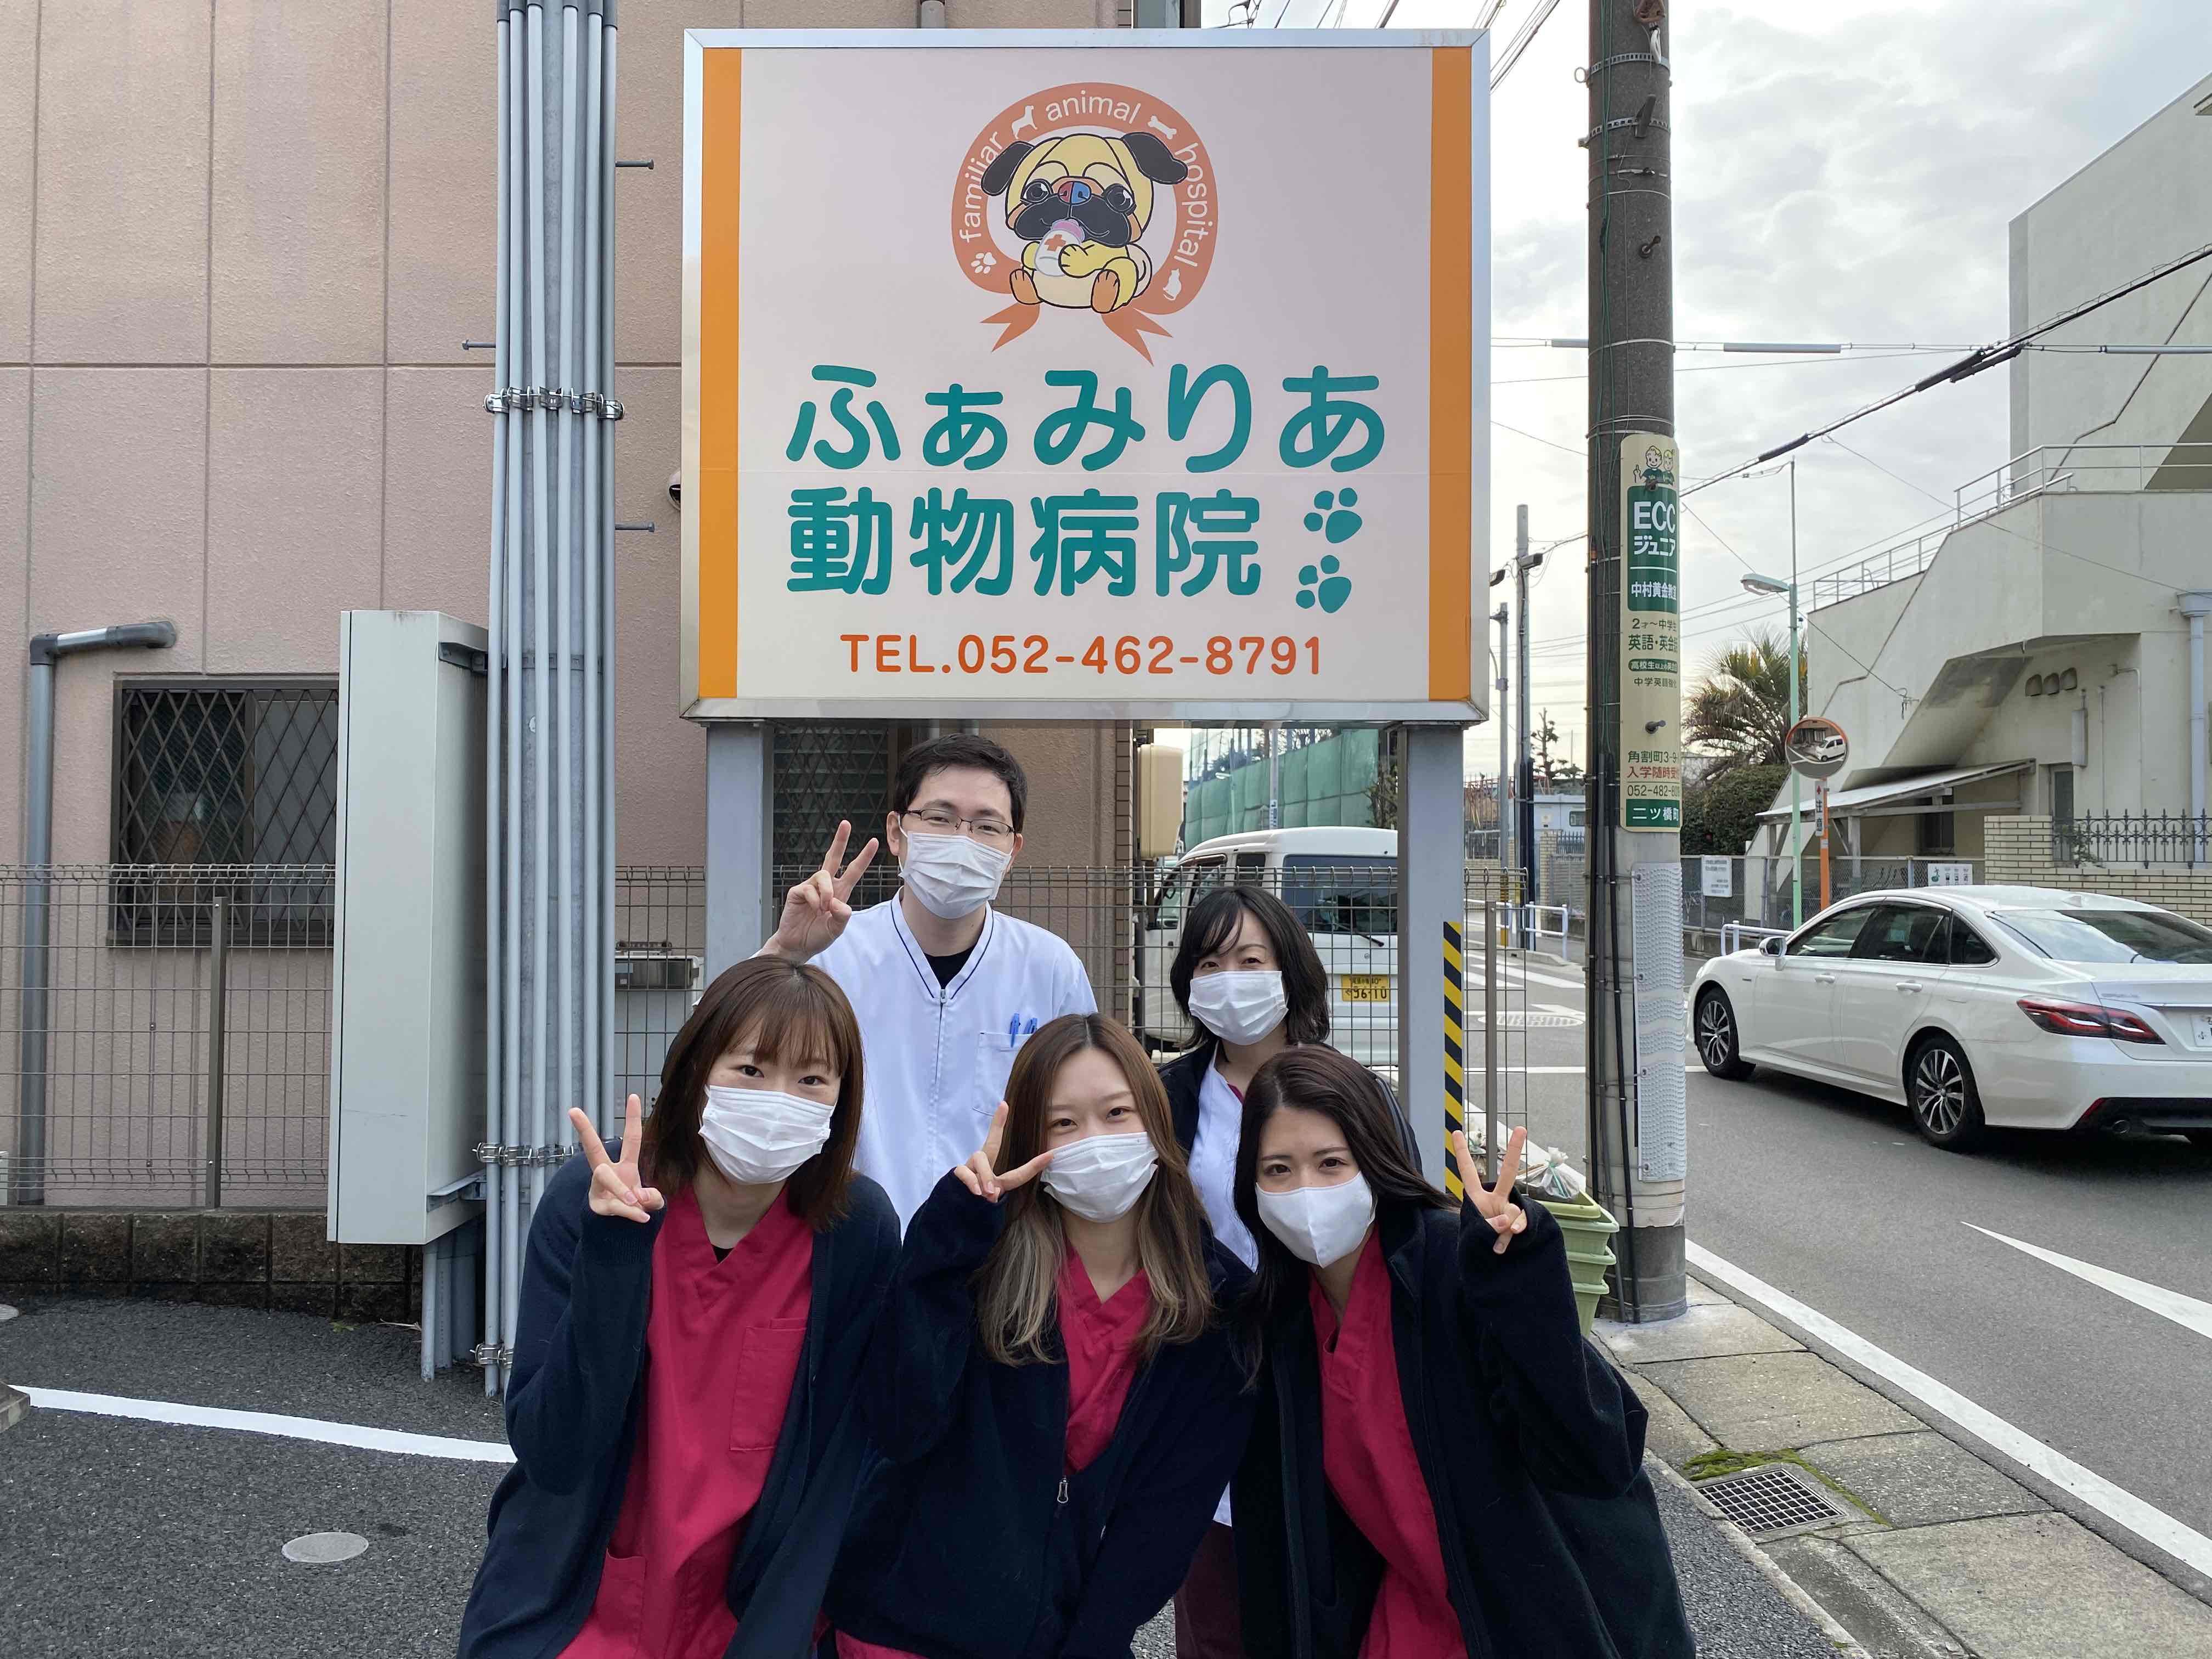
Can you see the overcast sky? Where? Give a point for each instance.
(1845, 170)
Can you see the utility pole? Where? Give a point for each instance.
(1498, 714)
(1634, 1037)
(1524, 776)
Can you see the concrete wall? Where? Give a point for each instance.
(2142, 202)
(2020, 851)
(2087, 581)
(240, 245)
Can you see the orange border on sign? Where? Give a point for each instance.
(1451, 372)
(721, 88)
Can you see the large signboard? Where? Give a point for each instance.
(1650, 634)
(1085, 375)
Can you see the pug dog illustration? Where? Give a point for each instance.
(1079, 202)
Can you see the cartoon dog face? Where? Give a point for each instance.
(1104, 185)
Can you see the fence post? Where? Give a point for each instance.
(218, 1002)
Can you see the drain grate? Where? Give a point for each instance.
(1772, 1501)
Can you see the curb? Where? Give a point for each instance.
(15, 1407)
(1790, 1589)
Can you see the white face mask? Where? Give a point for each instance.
(1101, 1176)
(951, 875)
(1238, 1007)
(1320, 1225)
(757, 1136)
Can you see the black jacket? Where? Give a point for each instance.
(969, 1544)
(573, 1401)
(1530, 1443)
(1183, 1076)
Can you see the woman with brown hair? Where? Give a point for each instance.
(1440, 1464)
(1051, 1384)
(696, 1302)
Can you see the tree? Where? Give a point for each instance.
(1551, 774)
(1741, 709)
(1720, 814)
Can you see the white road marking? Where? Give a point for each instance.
(2184, 1310)
(2148, 1521)
(291, 1428)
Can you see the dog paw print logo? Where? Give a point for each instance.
(1089, 198)
(1335, 520)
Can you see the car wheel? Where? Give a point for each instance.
(1946, 1105)
(1716, 1037)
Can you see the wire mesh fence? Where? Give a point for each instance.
(171, 1040)
(169, 1045)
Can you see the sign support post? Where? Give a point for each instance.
(1431, 893)
(741, 897)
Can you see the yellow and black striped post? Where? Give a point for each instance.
(1455, 1052)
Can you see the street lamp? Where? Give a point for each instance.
(1770, 586)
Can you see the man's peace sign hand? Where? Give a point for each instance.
(1496, 1203)
(980, 1173)
(616, 1188)
(815, 912)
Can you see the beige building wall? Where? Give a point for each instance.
(241, 247)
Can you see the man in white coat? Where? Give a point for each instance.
(947, 988)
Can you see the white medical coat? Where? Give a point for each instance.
(936, 1057)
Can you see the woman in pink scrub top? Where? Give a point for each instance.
(1440, 1464)
(696, 1304)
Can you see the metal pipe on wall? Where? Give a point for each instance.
(540, 910)
(495, 730)
(611, 40)
(594, 435)
(509, 1174)
(563, 889)
(28, 1169)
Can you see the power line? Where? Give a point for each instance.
(1717, 368)
(1972, 364)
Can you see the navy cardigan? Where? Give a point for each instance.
(969, 1543)
(1529, 1442)
(574, 1392)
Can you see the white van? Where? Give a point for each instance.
(1342, 884)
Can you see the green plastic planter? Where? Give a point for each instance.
(1590, 1230)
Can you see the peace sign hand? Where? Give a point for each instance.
(815, 912)
(980, 1173)
(1495, 1203)
(616, 1188)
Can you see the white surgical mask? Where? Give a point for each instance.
(1320, 1225)
(1101, 1176)
(1238, 1007)
(951, 875)
(756, 1136)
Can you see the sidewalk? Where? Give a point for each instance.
(1931, 1554)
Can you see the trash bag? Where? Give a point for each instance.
(1543, 1172)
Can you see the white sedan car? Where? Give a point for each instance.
(2028, 1007)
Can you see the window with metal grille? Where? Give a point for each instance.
(239, 779)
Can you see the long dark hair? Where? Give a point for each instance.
(1214, 921)
(1318, 1080)
(1017, 1287)
(788, 1008)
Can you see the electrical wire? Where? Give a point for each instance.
(1972, 364)
(1718, 368)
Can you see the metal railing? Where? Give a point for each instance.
(2119, 468)
(2048, 469)
(2136, 838)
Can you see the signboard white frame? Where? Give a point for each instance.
(1433, 618)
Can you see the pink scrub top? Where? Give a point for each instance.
(1367, 1454)
(722, 1348)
